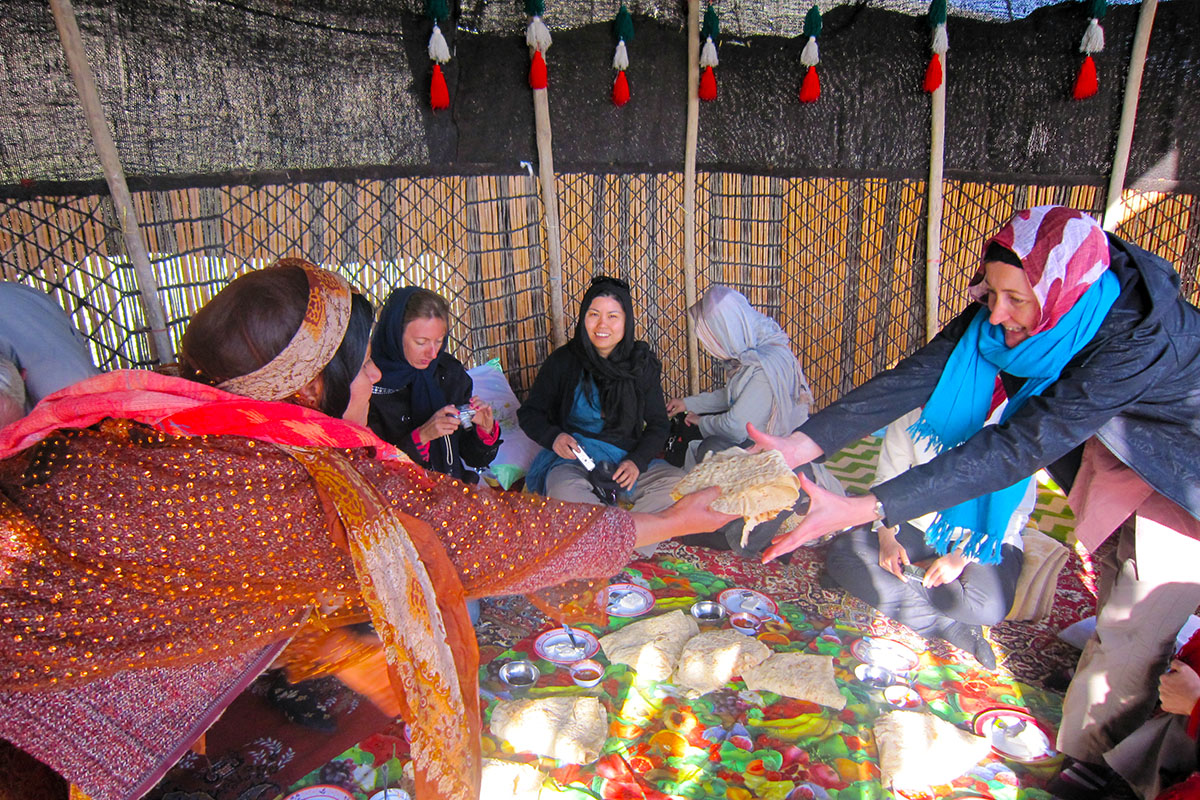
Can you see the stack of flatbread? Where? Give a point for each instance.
(567, 728)
(755, 485)
(651, 646)
(713, 659)
(805, 677)
(918, 750)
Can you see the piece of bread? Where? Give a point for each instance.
(918, 750)
(804, 677)
(651, 646)
(508, 780)
(567, 728)
(714, 658)
(756, 486)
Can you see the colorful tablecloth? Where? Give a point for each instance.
(740, 744)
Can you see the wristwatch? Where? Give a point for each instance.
(879, 512)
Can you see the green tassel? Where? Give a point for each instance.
(1098, 8)
(812, 22)
(711, 27)
(623, 25)
(937, 13)
(438, 10)
(535, 8)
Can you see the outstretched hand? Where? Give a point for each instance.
(797, 448)
(827, 513)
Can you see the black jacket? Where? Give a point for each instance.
(391, 418)
(545, 411)
(1136, 386)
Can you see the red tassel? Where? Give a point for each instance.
(1086, 84)
(810, 88)
(708, 85)
(537, 71)
(620, 93)
(439, 95)
(933, 74)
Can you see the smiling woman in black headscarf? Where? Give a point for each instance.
(415, 404)
(601, 394)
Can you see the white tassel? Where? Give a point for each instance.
(621, 57)
(708, 54)
(1093, 38)
(537, 35)
(810, 56)
(439, 51)
(940, 41)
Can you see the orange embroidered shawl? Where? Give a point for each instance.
(198, 528)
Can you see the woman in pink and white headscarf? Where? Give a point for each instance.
(1082, 352)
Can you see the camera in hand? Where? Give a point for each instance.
(466, 415)
(603, 485)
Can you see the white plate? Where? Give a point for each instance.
(1015, 735)
(748, 601)
(886, 653)
(321, 792)
(554, 645)
(628, 600)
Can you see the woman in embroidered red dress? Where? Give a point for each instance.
(152, 521)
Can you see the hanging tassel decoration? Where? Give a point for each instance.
(1087, 83)
(537, 36)
(439, 53)
(537, 71)
(810, 56)
(709, 31)
(935, 72)
(623, 28)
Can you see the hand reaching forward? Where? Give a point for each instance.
(797, 448)
(827, 513)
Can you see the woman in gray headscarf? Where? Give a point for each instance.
(765, 383)
(765, 386)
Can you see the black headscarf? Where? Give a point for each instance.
(620, 378)
(387, 351)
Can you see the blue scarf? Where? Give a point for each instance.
(387, 351)
(958, 407)
(584, 418)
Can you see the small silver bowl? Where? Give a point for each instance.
(706, 612)
(520, 674)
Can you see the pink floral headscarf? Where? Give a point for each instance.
(1062, 251)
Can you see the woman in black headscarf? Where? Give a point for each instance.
(420, 403)
(601, 395)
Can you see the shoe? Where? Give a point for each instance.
(971, 639)
(1081, 781)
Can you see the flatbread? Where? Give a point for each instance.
(508, 780)
(805, 677)
(567, 728)
(651, 646)
(756, 486)
(918, 750)
(713, 659)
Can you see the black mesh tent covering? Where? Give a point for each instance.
(251, 129)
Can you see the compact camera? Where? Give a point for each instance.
(466, 415)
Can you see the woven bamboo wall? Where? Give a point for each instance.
(839, 261)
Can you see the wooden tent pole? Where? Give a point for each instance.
(689, 192)
(1114, 206)
(114, 174)
(933, 232)
(541, 117)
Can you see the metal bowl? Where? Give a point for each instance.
(520, 674)
(706, 612)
